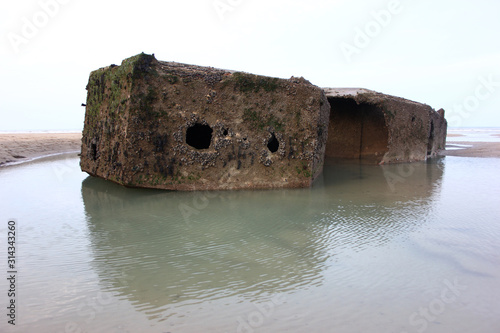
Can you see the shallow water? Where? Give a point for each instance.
(399, 248)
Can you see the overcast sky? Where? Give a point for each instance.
(441, 52)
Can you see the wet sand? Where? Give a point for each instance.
(22, 147)
(473, 149)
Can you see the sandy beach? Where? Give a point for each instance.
(473, 149)
(22, 147)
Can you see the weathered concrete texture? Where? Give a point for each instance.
(181, 127)
(377, 128)
(437, 133)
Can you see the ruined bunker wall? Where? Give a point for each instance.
(186, 127)
(408, 124)
(438, 128)
(356, 131)
(322, 134)
(106, 118)
(412, 130)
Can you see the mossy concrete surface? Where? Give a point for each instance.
(174, 126)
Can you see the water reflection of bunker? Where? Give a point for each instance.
(163, 249)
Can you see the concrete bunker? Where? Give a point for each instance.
(173, 126)
(356, 130)
(166, 125)
(377, 128)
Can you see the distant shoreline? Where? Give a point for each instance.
(42, 132)
(472, 149)
(17, 148)
(20, 147)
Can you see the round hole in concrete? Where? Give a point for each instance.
(273, 144)
(199, 136)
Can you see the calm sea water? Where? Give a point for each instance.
(400, 248)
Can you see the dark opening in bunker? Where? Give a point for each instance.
(273, 144)
(356, 131)
(93, 151)
(199, 136)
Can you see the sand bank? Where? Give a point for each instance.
(21, 147)
(472, 149)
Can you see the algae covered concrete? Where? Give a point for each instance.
(174, 126)
(377, 128)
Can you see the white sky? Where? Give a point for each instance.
(441, 52)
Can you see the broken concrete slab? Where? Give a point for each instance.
(376, 128)
(174, 126)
